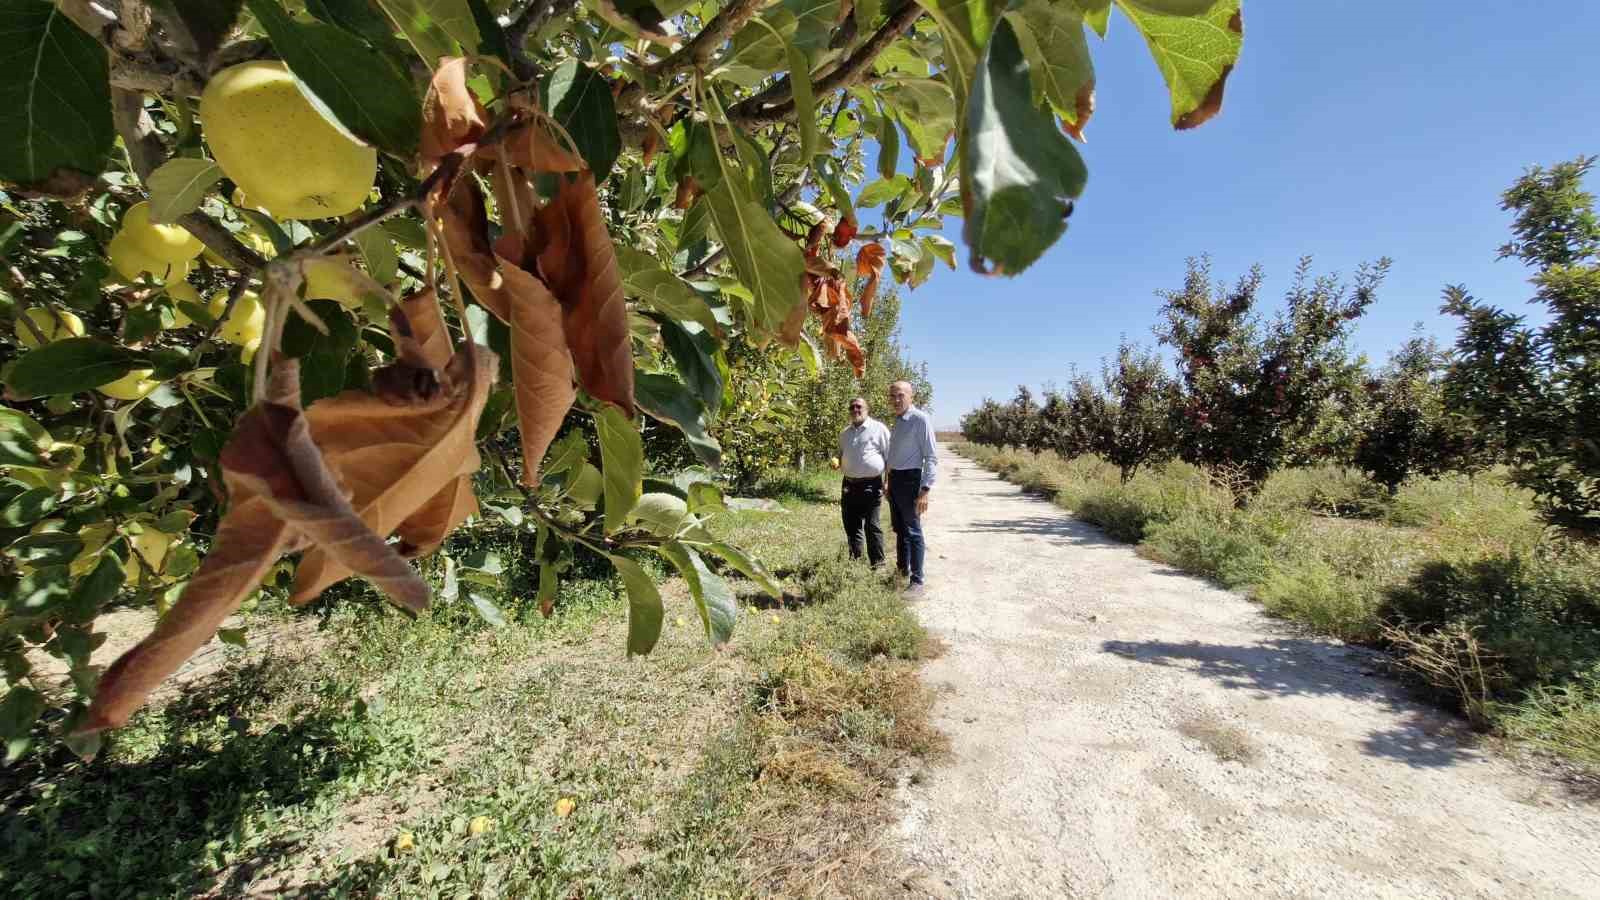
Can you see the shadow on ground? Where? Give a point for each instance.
(1061, 529)
(1288, 667)
(173, 822)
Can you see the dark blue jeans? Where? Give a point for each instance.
(909, 550)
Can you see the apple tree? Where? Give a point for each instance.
(296, 289)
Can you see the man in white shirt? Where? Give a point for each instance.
(912, 463)
(863, 447)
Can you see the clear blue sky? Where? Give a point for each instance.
(1350, 131)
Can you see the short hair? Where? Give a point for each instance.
(864, 403)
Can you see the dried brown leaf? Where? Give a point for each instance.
(396, 452)
(542, 365)
(421, 338)
(583, 276)
(466, 235)
(423, 532)
(451, 113)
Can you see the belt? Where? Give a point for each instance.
(849, 480)
(917, 472)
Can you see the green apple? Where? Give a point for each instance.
(278, 149)
(135, 385)
(53, 330)
(163, 243)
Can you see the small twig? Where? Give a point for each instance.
(446, 171)
(528, 22)
(706, 264)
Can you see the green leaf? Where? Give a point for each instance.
(94, 590)
(934, 245)
(1051, 37)
(566, 454)
(1194, 52)
(360, 17)
(888, 147)
(837, 192)
(208, 21)
(883, 190)
(434, 28)
(965, 26)
(644, 606)
(644, 278)
(18, 711)
(38, 590)
(1018, 170)
(768, 262)
(926, 110)
(22, 440)
(705, 495)
(354, 85)
(747, 565)
(55, 95)
(233, 637)
(713, 598)
(867, 13)
(667, 400)
(51, 548)
(377, 251)
(1096, 14)
(486, 609)
(580, 99)
(178, 187)
(805, 103)
(323, 356)
(813, 25)
(621, 463)
(758, 48)
(70, 366)
(694, 352)
(1173, 7)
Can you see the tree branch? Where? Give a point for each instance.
(753, 111)
(693, 55)
(532, 18)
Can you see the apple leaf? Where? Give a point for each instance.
(621, 461)
(435, 28)
(667, 400)
(580, 99)
(361, 90)
(69, 366)
(883, 190)
(643, 278)
(1051, 36)
(1019, 171)
(713, 598)
(178, 187)
(693, 351)
(768, 262)
(644, 605)
(965, 26)
(1195, 53)
(55, 97)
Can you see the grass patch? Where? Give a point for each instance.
(1226, 742)
(1497, 615)
(445, 757)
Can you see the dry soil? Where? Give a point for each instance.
(1121, 729)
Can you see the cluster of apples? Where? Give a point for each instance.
(288, 160)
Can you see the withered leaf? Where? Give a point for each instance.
(465, 222)
(541, 363)
(421, 337)
(283, 497)
(395, 453)
(451, 114)
(869, 263)
(579, 264)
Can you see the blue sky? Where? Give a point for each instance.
(1350, 131)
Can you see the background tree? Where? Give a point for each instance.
(1021, 419)
(1532, 395)
(985, 424)
(1252, 391)
(1407, 429)
(1138, 421)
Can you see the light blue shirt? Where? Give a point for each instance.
(911, 445)
(862, 449)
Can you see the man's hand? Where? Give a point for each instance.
(922, 503)
(834, 463)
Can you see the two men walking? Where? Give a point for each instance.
(900, 464)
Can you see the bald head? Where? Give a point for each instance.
(900, 396)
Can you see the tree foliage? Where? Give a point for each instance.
(1532, 394)
(1406, 428)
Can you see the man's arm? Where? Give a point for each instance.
(930, 455)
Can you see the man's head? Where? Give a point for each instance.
(900, 396)
(858, 410)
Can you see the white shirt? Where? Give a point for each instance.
(912, 445)
(862, 449)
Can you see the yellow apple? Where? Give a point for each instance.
(53, 330)
(183, 290)
(163, 243)
(245, 323)
(151, 545)
(278, 149)
(132, 262)
(135, 385)
(333, 278)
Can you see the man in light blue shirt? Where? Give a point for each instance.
(912, 465)
(863, 447)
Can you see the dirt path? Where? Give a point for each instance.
(1120, 729)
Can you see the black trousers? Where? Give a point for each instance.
(859, 502)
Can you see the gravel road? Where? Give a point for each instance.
(1120, 729)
